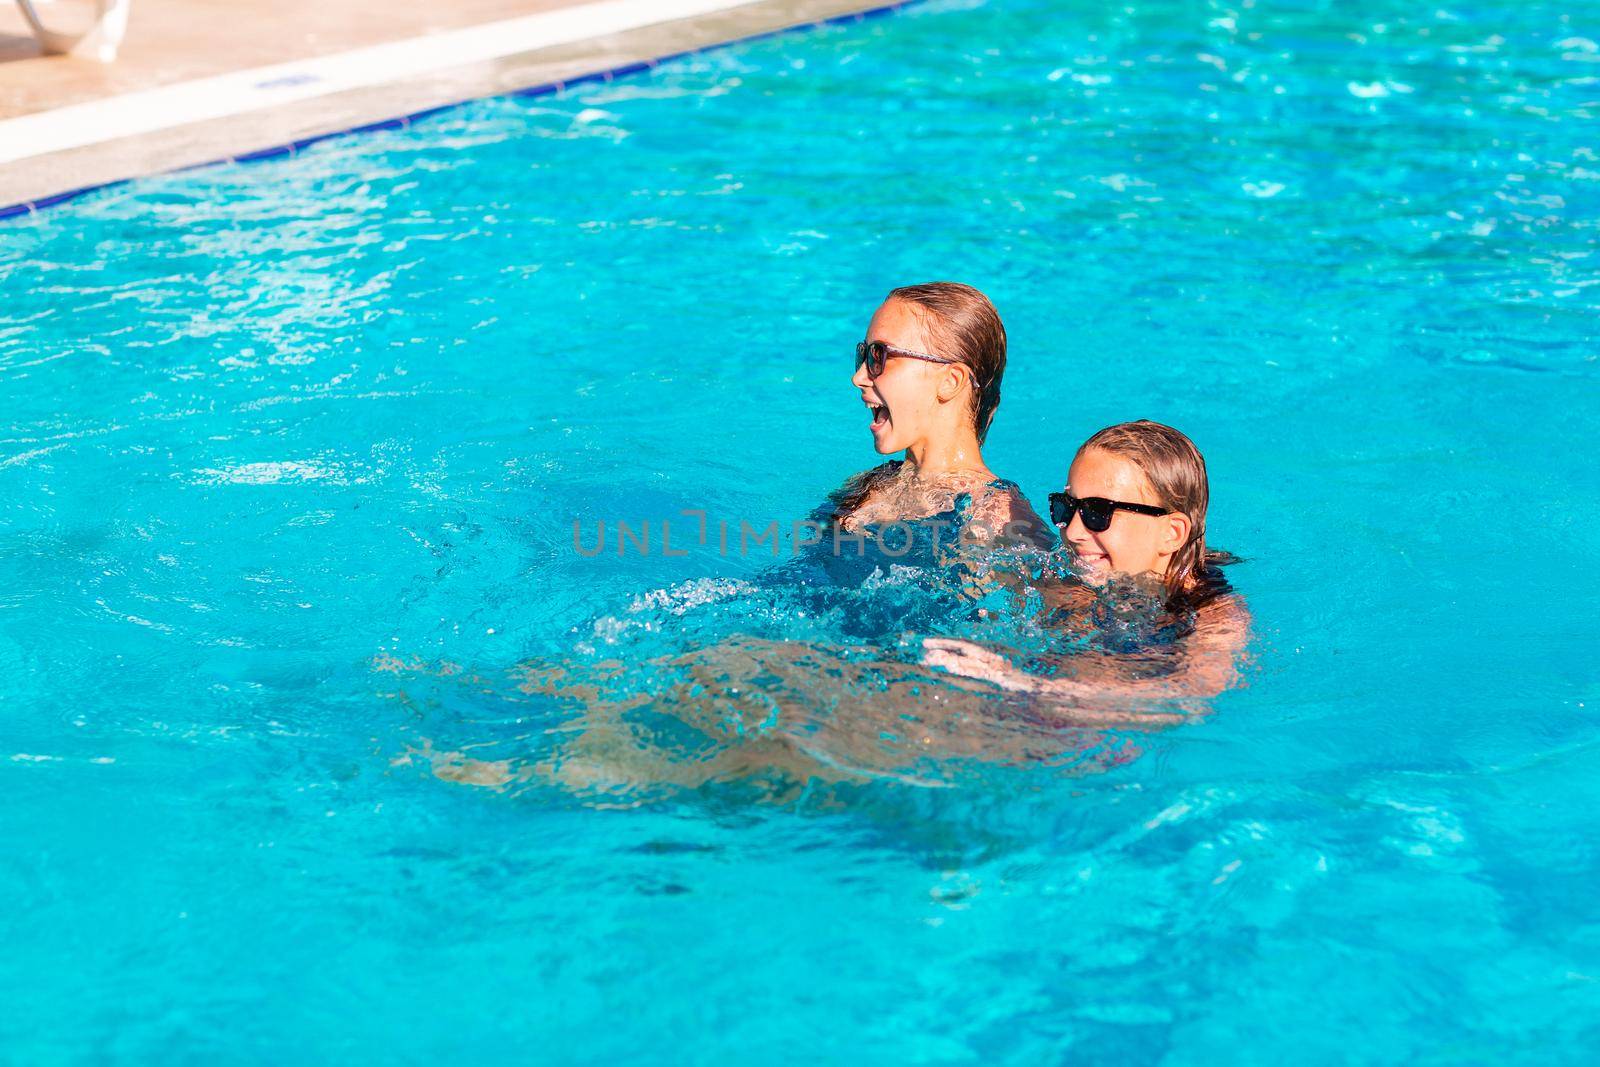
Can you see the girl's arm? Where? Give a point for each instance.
(1208, 663)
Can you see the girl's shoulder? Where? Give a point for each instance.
(849, 497)
(1225, 605)
(1223, 620)
(1002, 508)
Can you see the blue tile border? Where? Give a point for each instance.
(274, 152)
(61, 198)
(30, 207)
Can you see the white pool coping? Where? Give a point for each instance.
(226, 95)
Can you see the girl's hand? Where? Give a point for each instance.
(974, 661)
(1066, 701)
(970, 660)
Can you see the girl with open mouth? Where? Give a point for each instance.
(929, 374)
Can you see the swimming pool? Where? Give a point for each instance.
(270, 427)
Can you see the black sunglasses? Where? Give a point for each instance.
(876, 353)
(1097, 510)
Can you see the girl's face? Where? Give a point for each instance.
(1133, 543)
(904, 401)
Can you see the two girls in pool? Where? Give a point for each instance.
(1133, 509)
(1134, 504)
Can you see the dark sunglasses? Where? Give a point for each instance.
(1097, 510)
(876, 353)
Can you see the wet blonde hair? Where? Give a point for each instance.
(966, 327)
(1176, 473)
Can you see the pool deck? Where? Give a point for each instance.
(197, 82)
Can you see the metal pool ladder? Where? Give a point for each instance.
(101, 40)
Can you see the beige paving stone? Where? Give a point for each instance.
(171, 41)
(177, 40)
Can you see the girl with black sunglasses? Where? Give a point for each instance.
(1134, 506)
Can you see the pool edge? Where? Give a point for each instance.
(30, 206)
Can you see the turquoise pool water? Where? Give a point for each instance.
(281, 443)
